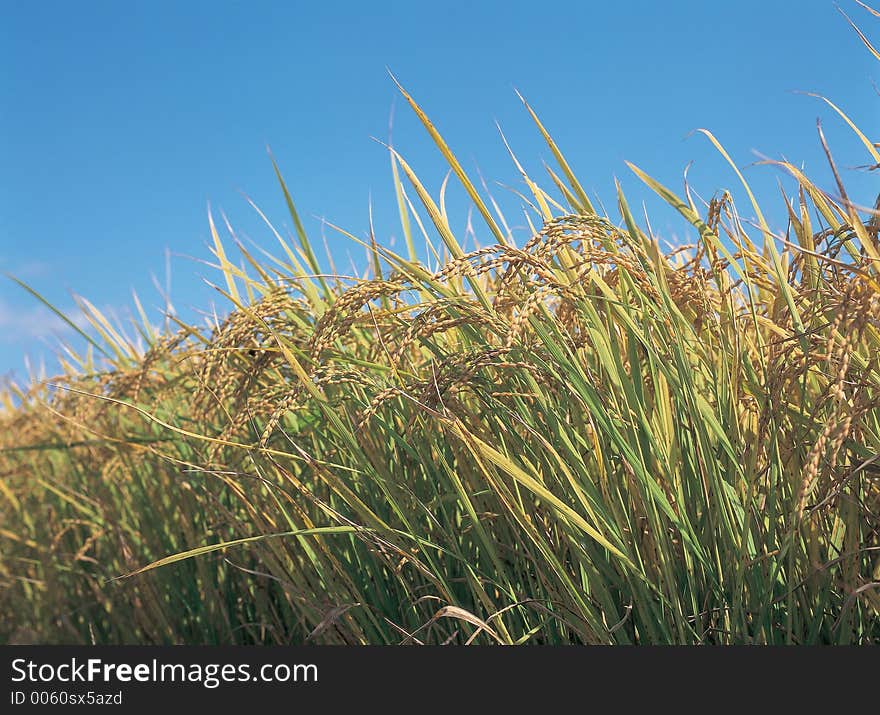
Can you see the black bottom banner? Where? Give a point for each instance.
(400, 678)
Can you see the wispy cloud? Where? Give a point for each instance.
(26, 269)
(33, 269)
(20, 324)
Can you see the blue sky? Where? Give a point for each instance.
(120, 121)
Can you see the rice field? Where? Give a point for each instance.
(581, 439)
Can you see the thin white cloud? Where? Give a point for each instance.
(33, 269)
(26, 269)
(22, 324)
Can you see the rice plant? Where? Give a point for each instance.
(581, 439)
